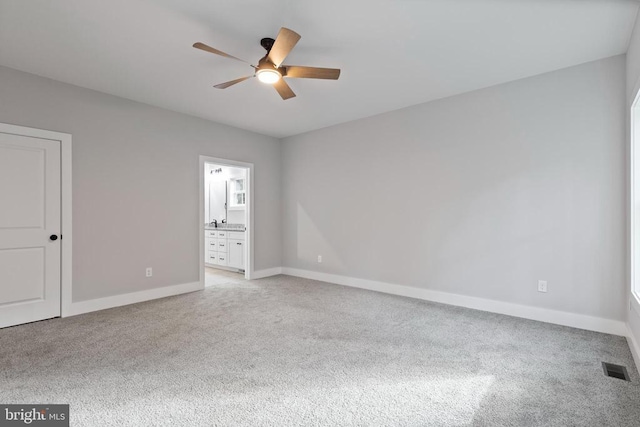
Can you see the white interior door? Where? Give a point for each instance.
(29, 223)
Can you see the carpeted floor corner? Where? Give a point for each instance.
(284, 351)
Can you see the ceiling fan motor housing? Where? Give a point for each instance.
(267, 43)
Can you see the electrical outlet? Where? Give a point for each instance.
(149, 272)
(319, 258)
(542, 286)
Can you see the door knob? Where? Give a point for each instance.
(53, 237)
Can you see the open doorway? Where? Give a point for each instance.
(226, 221)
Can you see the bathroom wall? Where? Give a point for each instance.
(234, 216)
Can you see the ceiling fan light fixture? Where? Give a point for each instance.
(268, 76)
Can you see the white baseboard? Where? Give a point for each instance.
(633, 335)
(573, 320)
(633, 345)
(81, 307)
(267, 272)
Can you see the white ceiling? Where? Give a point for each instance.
(393, 53)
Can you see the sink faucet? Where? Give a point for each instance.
(215, 223)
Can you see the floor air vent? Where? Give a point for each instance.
(615, 371)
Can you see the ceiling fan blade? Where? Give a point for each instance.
(283, 89)
(299, 72)
(285, 41)
(209, 49)
(231, 83)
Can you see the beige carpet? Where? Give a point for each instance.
(285, 351)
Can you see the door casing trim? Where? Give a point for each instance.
(249, 262)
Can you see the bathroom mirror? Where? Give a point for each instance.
(217, 201)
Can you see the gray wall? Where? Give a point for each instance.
(135, 183)
(633, 61)
(480, 194)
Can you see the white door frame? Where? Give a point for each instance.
(634, 146)
(66, 240)
(248, 272)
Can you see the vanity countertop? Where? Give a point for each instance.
(226, 227)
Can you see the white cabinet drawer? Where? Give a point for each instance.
(222, 259)
(222, 234)
(222, 245)
(210, 233)
(212, 258)
(235, 235)
(213, 245)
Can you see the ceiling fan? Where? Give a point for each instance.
(270, 69)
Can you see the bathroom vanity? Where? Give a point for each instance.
(224, 247)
